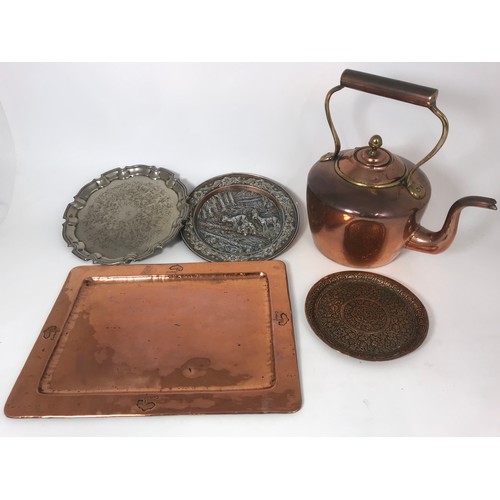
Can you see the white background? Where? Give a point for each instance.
(71, 122)
(264, 30)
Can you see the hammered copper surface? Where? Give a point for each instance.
(164, 339)
(366, 315)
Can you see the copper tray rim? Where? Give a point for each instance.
(380, 280)
(245, 181)
(150, 403)
(131, 172)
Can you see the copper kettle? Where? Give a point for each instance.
(365, 204)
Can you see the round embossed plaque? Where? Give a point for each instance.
(125, 215)
(366, 315)
(240, 217)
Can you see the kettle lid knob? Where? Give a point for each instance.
(375, 142)
(374, 155)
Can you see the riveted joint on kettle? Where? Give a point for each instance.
(369, 205)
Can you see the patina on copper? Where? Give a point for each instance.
(237, 217)
(163, 340)
(366, 315)
(365, 205)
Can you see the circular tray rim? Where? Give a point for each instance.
(249, 181)
(126, 173)
(380, 280)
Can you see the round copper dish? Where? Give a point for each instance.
(125, 215)
(240, 217)
(366, 315)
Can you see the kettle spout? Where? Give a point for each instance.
(427, 241)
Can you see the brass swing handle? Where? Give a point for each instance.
(393, 89)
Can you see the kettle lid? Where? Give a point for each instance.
(371, 166)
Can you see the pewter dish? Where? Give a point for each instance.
(240, 217)
(126, 215)
(366, 315)
(164, 339)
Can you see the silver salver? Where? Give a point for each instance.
(125, 215)
(240, 217)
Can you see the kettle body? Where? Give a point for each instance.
(358, 226)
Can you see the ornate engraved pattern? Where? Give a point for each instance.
(364, 315)
(367, 316)
(240, 217)
(125, 215)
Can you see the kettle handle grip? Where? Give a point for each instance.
(388, 87)
(393, 89)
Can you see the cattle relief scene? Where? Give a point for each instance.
(239, 222)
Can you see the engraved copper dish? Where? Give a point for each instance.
(366, 315)
(240, 217)
(126, 215)
(164, 339)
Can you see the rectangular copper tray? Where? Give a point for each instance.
(164, 340)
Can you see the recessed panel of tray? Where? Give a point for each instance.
(164, 339)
